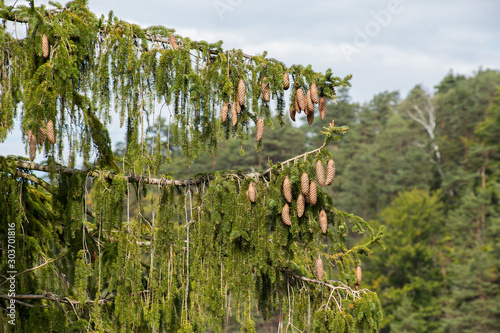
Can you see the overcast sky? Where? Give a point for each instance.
(386, 44)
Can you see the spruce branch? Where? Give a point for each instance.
(362, 248)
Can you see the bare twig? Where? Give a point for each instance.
(296, 158)
(52, 297)
(37, 267)
(17, 301)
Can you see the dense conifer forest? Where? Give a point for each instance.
(246, 195)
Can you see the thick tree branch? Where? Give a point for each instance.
(106, 174)
(138, 178)
(35, 180)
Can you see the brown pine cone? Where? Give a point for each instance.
(358, 275)
(266, 92)
(173, 42)
(287, 189)
(32, 143)
(319, 269)
(292, 112)
(42, 135)
(322, 107)
(313, 194)
(330, 172)
(45, 46)
(285, 215)
(320, 173)
(310, 117)
(251, 192)
(309, 103)
(241, 92)
(51, 132)
(224, 111)
(323, 221)
(259, 129)
(301, 100)
(296, 105)
(28, 135)
(300, 205)
(286, 81)
(314, 93)
(234, 113)
(304, 183)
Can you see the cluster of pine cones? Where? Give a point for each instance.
(308, 193)
(306, 103)
(302, 102)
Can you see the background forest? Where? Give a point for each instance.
(432, 178)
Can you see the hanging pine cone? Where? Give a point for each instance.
(251, 192)
(286, 81)
(45, 46)
(323, 221)
(241, 92)
(299, 96)
(309, 103)
(330, 172)
(266, 92)
(238, 108)
(292, 112)
(322, 107)
(28, 135)
(296, 105)
(358, 275)
(259, 129)
(320, 173)
(234, 113)
(42, 133)
(173, 42)
(287, 189)
(32, 143)
(285, 215)
(300, 205)
(319, 269)
(224, 111)
(313, 194)
(314, 93)
(50, 132)
(310, 117)
(304, 183)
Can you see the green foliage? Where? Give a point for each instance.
(408, 276)
(96, 62)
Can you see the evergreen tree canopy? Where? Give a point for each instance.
(221, 242)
